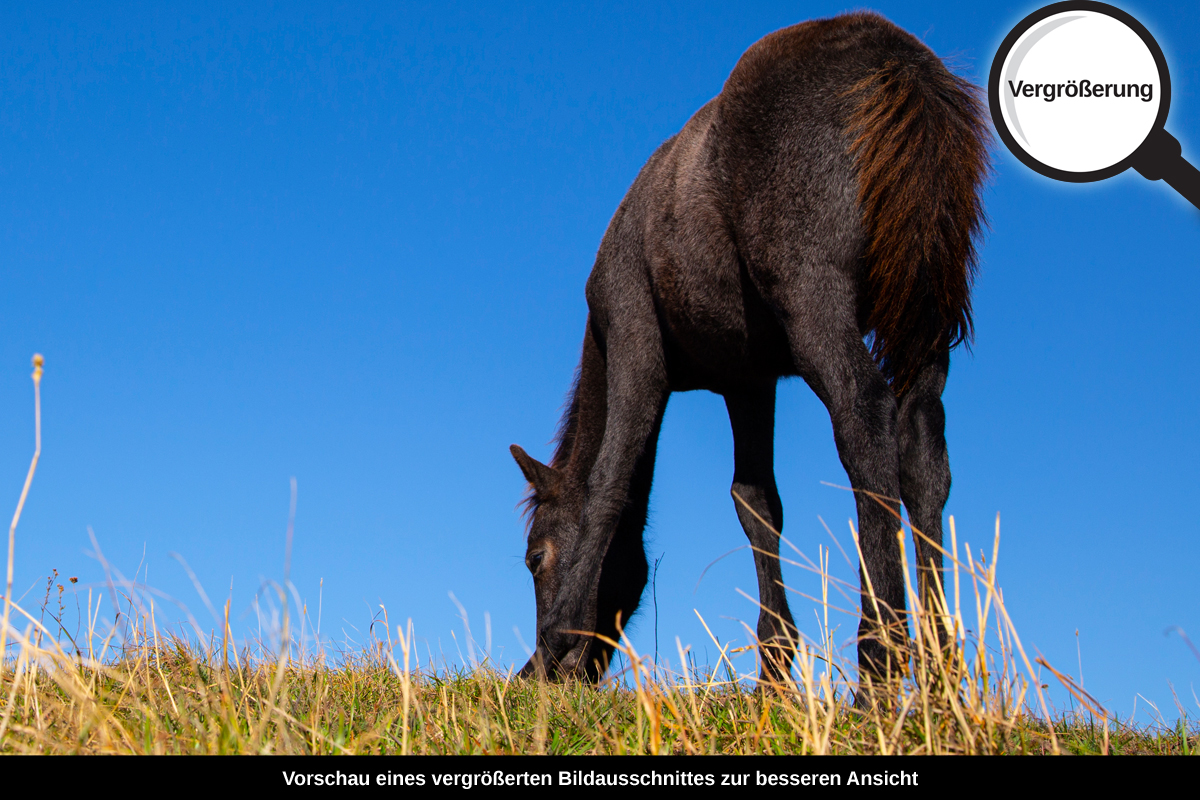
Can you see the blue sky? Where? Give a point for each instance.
(348, 244)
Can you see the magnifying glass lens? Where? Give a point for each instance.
(1080, 91)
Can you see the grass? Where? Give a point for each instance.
(967, 687)
(162, 694)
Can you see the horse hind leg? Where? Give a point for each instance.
(925, 474)
(752, 417)
(831, 357)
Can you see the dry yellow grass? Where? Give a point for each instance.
(154, 693)
(967, 687)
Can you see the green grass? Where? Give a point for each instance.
(174, 701)
(156, 693)
(131, 688)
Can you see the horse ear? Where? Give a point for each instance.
(544, 479)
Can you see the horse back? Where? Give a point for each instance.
(839, 166)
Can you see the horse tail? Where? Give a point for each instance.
(919, 140)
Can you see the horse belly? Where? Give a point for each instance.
(717, 331)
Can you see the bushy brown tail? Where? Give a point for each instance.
(920, 142)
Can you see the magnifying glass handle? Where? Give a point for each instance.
(1161, 158)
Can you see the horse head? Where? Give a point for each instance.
(554, 511)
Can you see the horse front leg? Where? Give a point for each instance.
(759, 509)
(637, 394)
(625, 571)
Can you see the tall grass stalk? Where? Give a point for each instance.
(38, 362)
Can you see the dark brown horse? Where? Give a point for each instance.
(830, 192)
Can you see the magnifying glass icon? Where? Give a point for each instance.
(1079, 91)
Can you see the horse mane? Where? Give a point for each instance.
(564, 443)
(568, 425)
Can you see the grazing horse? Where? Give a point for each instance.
(829, 193)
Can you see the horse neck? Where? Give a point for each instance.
(582, 427)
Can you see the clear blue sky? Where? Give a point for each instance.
(349, 245)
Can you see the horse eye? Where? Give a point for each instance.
(534, 561)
